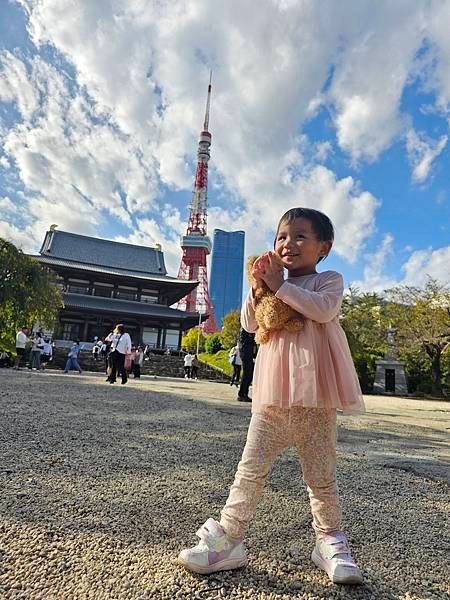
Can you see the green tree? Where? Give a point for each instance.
(189, 340)
(28, 293)
(213, 343)
(422, 319)
(231, 324)
(364, 322)
(417, 369)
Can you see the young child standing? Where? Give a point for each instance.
(301, 379)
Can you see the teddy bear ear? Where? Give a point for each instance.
(250, 261)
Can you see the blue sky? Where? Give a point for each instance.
(344, 109)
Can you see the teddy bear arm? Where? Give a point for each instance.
(295, 324)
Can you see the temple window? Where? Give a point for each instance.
(102, 290)
(125, 293)
(172, 338)
(77, 286)
(149, 296)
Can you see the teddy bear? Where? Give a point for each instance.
(271, 313)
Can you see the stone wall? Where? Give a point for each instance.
(158, 364)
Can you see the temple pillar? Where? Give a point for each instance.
(85, 331)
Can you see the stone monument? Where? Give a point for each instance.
(390, 374)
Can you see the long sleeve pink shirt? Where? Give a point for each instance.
(312, 367)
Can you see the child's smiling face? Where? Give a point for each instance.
(299, 247)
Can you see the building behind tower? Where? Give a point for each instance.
(227, 267)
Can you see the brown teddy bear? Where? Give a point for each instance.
(271, 313)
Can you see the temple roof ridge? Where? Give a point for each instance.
(64, 245)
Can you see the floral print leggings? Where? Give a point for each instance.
(313, 431)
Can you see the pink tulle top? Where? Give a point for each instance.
(312, 367)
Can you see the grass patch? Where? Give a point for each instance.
(218, 361)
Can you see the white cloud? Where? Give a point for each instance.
(422, 151)
(322, 151)
(105, 141)
(6, 205)
(429, 262)
(420, 265)
(16, 86)
(21, 238)
(371, 72)
(76, 165)
(436, 75)
(375, 278)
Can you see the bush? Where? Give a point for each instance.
(231, 325)
(218, 360)
(189, 340)
(213, 343)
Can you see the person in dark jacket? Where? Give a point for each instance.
(247, 347)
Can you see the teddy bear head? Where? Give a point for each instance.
(250, 263)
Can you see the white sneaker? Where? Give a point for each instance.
(332, 554)
(215, 551)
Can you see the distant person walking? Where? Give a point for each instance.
(96, 350)
(138, 362)
(195, 366)
(47, 353)
(37, 345)
(120, 346)
(188, 365)
(21, 345)
(104, 350)
(72, 358)
(129, 360)
(247, 347)
(235, 360)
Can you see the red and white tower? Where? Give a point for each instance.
(196, 244)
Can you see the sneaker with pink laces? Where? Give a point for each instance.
(215, 551)
(332, 554)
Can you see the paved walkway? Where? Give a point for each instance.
(102, 485)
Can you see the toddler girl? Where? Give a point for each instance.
(301, 379)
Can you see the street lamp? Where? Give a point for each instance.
(200, 313)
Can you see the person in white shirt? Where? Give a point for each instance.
(37, 344)
(96, 350)
(188, 365)
(21, 343)
(120, 346)
(235, 359)
(47, 352)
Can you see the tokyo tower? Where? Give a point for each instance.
(196, 244)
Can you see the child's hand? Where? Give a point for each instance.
(273, 273)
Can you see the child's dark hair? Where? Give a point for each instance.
(320, 223)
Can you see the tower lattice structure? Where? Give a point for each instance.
(196, 244)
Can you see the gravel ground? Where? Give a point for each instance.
(103, 485)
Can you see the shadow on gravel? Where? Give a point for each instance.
(142, 468)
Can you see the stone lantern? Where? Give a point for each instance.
(390, 374)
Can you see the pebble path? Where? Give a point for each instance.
(101, 486)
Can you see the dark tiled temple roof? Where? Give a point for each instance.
(58, 262)
(127, 307)
(103, 253)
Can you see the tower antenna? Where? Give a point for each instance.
(196, 244)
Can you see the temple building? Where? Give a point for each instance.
(106, 282)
